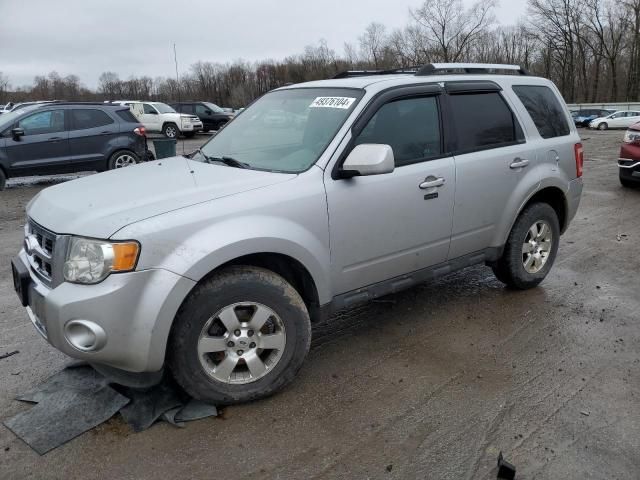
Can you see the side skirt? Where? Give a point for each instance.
(366, 294)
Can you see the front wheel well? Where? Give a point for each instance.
(294, 272)
(556, 199)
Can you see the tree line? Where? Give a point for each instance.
(589, 48)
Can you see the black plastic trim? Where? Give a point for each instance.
(471, 87)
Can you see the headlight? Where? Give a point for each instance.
(91, 261)
(632, 136)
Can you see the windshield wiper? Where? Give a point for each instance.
(229, 161)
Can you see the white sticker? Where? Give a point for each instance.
(332, 102)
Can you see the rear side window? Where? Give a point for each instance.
(186, 108)
(545, 110)
(83, 119)
(410, 126)
(127, 116)
(483, 121)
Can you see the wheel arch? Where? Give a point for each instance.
(554, 197)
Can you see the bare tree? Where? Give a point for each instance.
(451, 27)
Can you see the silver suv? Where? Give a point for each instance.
(316, 198)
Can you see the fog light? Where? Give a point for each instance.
(85, 336)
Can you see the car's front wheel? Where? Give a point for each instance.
(530, 249)
(241, 335)
(603, 126)
(122, 159)
(170, 130)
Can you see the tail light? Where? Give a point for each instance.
(140, 131)
(579, 151)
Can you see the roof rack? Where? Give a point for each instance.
(367, 73)
(438, 68)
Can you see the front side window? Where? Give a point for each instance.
(411, 126)
(483, 120)
(83, 119)
(51, 121)
(284, 131)
(544, 109)
(148, 109)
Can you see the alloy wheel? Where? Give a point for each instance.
(241, 343)
(537, 246)
(124, 160)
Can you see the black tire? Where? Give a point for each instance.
(625, 182)
(190, 134)
(509, 269)
(122, 156)
(237, 284)
(3, 180)
(603, 126)
(170, 130)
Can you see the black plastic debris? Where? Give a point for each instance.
(79, 398)
(9, 354)
(506, 471)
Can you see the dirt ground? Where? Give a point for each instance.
(431, 383)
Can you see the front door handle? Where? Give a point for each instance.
(431, 182)
(519, 163)
(55, 139)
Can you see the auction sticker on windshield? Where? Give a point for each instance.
(332, 102)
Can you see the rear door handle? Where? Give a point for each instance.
(55, 139)
(431, 182)
(519, 163)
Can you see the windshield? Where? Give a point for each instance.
(163, 108)
(284, 131)
(214, 108)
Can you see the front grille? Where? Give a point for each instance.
(40, 246)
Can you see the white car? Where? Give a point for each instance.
(160, 117)
(621, 119)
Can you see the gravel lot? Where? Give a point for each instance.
(429, 383)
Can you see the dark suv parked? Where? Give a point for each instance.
(213, 117)
(68, 137)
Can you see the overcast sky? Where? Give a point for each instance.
(87, 37)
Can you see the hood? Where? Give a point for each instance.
(100, 205)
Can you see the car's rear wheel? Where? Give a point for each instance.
(530, 249)
(170, 130)
(241, 335)
(190, 134)
(603, 126)
(122, 159)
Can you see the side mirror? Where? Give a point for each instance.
(208, 112)
(16, 133)
(368, 159)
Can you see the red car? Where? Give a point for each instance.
(629, 161)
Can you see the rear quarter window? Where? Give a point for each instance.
(544, 109)
(127, 116)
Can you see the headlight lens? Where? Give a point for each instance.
(632, 136)
(91, 261)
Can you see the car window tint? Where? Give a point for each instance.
(83, 119)
(148, 108)
(410, 126)
(51, 121)
(186, 108)
(544, 109)
(202, 110)
(483, 120)
(127, 116)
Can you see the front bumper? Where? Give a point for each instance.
(192, 127)
(629, 169)
(135, 311)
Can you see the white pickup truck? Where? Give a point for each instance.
(160, 117)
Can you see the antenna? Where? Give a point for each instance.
(175, 59)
